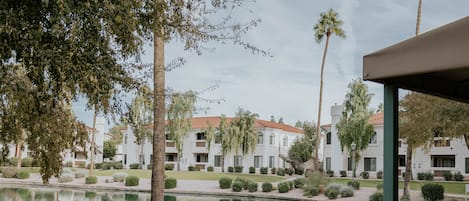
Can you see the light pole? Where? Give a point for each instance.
(353, 146)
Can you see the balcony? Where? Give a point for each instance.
(200, 144)
(170, 144)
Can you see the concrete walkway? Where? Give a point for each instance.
(186, 187)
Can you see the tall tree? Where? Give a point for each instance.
(109, 149)
(194, 23)
(280, 120)
(353, 126)
(138, 116)
(222, 135)
(302, 149)
(243, 136)
(180, 112)
(328, 25)
(116, 134)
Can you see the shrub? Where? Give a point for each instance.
(404, 198)
(22, 174)
(135, 166)
(310, 191)
(299, 171)
(106, 166)
(190, 168)
(317, 180)
(354, 184)
(149, 166)
(252, 170)
(264, 170)
(79, 175)
(118, 166)
(168, 166)
(266, 187)
(131, 181)
(237, 186)
(433, 192)
(69, 164)
(343, 173)
(289, 171)
(346, 191)
(27, 162)
(81, 165)
(379, 186)
(365, 175)
(379, 174)
(273, 170)
(9, 172)
(64, 178)
(210, 169)
(119, 176)
(170, 183)
(283, 187)
(425, 176)
(238, 169)
(243, 181)
(281, 172)
(330, 173)
(448, 175)
(98, 165)
(252, 186)
(332, 193)
(230, 169)
(458, 176)
(334, 186)
(299, 182)
(291, 184)
(225, 182)
(376, 196)
(91, 180)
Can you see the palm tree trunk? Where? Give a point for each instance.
(92, 143)
(408, 170)
(157, 179)
(318, 131)
(419, 13)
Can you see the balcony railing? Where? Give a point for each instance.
(200, 144)
(170, 144)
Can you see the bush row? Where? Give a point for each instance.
(12, 172)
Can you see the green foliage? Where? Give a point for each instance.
(252, 170)
(243, 137)
(365, 175)
(354, 184)
(109, 149)
(448, 175)
(237, 186)
(458, 176)
(346, 191)
(27, 162)
(264, 170)
(65, 178)
(316, 179)
(169, 166)
(119, 176)
(131, 181)
(281, 172)
(328, 24)
(299, 171)
(330, 173)
(210, 169)
(252, 186)
(310, 191)
(377, 196)
(170, 183)
(116, 134)
(283, 187)
(302, 148)
(230, 169)
(332, 193)
(379, 175)
(91, 180)
(289, 171)
(433, 192)
(273, 170)
(353, 127)
(379, 186)
(79, 175)
(244, 181)
(343, 173)
(299, 182)
(428, 176)
(225, 182)
(135, 166)
(267, 187)
(9, 172)
(22, 174)
(291, 184)
(238, 169)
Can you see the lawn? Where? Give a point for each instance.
(450, 187)
(195, 175)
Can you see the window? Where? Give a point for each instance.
(328, 138)
(151, 158)
(142, 157)
(170, 157)
(271, 161)
(349, 164)
(200, 136)
(467, 165)
(125, 139)
(443, 161)
(258, 161)
(442, 143)
(217, 139)
(167, 137)
(272, 139)
(125, 159)
(217, 161)
(238, 161)
(370, 164)
(201, 158)
(328, 163)
(401, 160)
(260, 138)
(285, 141)
(373, 139)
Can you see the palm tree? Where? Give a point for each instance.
(327, 25)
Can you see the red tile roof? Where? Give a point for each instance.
(377, 119)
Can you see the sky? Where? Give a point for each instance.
(287, 84)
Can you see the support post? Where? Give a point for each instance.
(391, 136)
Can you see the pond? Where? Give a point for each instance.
(53, 194)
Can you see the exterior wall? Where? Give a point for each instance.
(132, 151)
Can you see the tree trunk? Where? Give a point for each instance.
(19, 153)
(408, 170)
(179, 163)
(222, 163)
(92, 143)
(141, 156)
(157, 176)
(318, 131)
(419, 13)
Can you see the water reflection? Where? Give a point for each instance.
(49, 194)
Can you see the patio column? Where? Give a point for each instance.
(391, 136)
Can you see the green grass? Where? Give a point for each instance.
(195, 175)
(450, 187)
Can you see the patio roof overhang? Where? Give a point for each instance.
(435, 62)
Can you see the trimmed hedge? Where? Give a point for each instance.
(377, 196)
(332, 193)
(230, 169)
(237, 186)
(238, 169)
(22, 174)
(283, 187)
(346, 191)
(354, 184)
(27, 162)
(310, 191)
(135, 166)
(379, 175)
(330, 173)
(458, 176)
(252, 170)
(433, 192)
(365, 175)
(425, 176)
(131, 181)
(343, 173)
(267, 187)
(264, 170)
(448, 175)
(289, 171)
(64, 178)
(299, 182)
(225, 182)
(252, 186)
(210, 169)
(119, 176)
(9, 172)
(273, 170)
(170, 183)
(168, 166)
(244, 181)
(281, 172)
(300, 171)
(91, 180)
